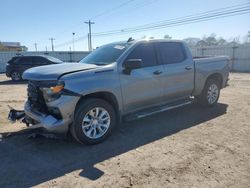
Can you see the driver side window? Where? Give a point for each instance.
(146, 53)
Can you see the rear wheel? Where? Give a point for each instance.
(16, 76)
(94, 121)
(210, 93)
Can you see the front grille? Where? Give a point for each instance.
(35, 98)
(32, 92)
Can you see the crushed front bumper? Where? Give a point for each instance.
(46, 121)
(35, 119)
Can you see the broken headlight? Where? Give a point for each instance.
(52, 91)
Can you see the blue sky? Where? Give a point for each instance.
(33, 21)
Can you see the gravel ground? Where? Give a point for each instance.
(185, 147)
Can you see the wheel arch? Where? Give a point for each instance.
(104, 95)
(216, 76)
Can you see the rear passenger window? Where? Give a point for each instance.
(25, 60)
(171, 52)
(146, 53)
(39, 61)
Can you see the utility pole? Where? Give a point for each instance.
(52, 44)
(73, 41)
(89, 35)
(35, 46)
(88, 42)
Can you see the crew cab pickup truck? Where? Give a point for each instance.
(119, 81)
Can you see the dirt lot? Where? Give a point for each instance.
(186, 147)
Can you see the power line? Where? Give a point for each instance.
(105, 12)
(160, 23)
(172, 22)
(94, 17)
(217, 15)
(112, 9)
(203, 13)
(136, 6)
(70, 41)
(189, 19)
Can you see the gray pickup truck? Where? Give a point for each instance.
(119, 81)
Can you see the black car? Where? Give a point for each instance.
(17, 65)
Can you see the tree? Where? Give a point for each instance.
(221, 41)
(146, 37)
(167, 37)
(248, 36)
(234, 40)
(201, 43)
(192, 42)
(211, 40)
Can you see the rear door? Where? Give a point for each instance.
(142, 87)
(178, 78)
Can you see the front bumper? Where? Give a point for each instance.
(65, 105)
(46, 121)
(52, 116)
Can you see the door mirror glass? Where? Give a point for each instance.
(131, 64)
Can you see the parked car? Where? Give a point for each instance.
(18, 64)
(120, 81)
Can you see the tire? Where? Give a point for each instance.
(210, 93)
(93, 122)
(16, 76)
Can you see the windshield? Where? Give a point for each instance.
(53, 59)
(106, 54)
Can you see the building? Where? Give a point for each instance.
(12, 46)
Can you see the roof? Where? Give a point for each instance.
(33, 56)
(146, 40)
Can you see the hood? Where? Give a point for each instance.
(53, 72)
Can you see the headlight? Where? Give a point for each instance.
(54, 89)
(52, 92)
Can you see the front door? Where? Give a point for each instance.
(142, 88)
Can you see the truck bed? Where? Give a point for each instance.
(206, 65)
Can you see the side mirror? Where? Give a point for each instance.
(131, 64)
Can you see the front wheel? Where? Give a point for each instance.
(94, 121)
(210, 93)
(16, 76)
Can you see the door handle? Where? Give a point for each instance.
(188, 68)
(157, 72)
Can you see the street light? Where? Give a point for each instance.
(73, 41)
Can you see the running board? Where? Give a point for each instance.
(157, 110)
